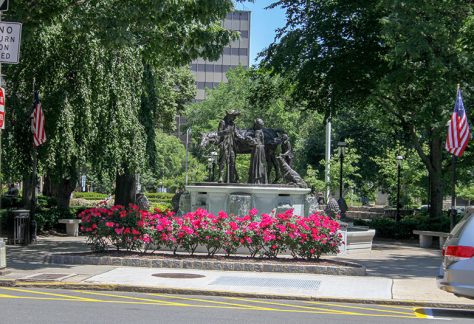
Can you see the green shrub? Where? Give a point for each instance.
(89, 195)
(47, 218)
(3, 220)
(46, 202)
(160, 206)
(389, 228)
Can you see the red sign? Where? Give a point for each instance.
(2, 108)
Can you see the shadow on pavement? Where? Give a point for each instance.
(398, 260)
(33, 256)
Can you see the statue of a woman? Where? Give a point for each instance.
(258, 166)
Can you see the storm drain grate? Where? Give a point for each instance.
(48, 277)
(267, 282)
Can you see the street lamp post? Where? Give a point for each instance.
(188, 132)
(341, 146)
(399, 165)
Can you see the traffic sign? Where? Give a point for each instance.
(10, 39)
(4, 5)
(2, 108)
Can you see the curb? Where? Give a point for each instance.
(344, 268)
(179, 291)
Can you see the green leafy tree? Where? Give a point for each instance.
(99, 70)
(412, 176)
(402, 58)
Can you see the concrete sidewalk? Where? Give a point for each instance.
(397, 273)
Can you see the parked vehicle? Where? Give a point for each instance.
(457, 270)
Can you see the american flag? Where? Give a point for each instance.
(458, 129)
(37, 122)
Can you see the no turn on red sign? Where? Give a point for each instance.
(10, 38)
(2, 108)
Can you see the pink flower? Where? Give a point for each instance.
(109, 224)
(118, 231)
(253, 212)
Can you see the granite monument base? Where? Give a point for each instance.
(238, 199)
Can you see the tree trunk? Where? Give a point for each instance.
(47, 186)
(436, 174)
(62, 192)
(125, 188)
(27, 191)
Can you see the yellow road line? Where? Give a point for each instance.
(395, 306)
(211, 301)
(155, 302)
(360, 307)
(47, 294)
(109, 301)
(130, 297)
(327, 311)
(294, 306)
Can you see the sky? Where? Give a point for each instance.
(262, 25)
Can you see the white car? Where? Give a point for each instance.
(457, 270)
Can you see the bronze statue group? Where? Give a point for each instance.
(262, 143)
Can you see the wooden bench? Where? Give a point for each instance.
(72, 226)
(426, 238)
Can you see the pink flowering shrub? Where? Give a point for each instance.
(263, 235)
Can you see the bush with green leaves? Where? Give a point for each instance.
(388, 228)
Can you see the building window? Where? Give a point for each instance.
(243, 51)
(209, 67)
(201, 67)
(244, 34)
(194, 67)
(244, 16)
(234, 51)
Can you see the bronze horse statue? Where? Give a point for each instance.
(272, 138)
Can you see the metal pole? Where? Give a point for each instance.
(398, 192)
(1, 180)
(341, 159)
(327, 156)
(187, 154)
(452, 217)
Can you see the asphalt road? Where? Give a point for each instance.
(31, 305)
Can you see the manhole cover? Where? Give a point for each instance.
(177, 275)
(48, 277)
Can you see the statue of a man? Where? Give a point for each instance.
(227, 134)
(286, 150)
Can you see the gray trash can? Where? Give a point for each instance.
(20, 229)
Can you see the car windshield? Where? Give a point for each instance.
(457, 230)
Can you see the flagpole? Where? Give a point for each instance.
(452, 214)
(33, 183)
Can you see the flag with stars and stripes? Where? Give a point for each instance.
(458, 129)
(37, 122)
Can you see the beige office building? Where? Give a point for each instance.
(209, 74)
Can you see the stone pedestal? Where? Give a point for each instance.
(238, 199)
